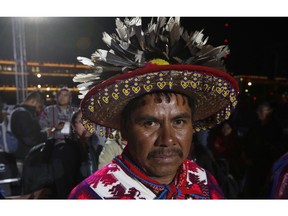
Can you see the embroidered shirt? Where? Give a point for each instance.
(122, 179)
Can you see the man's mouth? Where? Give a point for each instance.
(165, 154)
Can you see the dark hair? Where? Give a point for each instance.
(35, 95)
(67, 90)
(74, 116)
(134, 103)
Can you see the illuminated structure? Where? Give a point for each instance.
(46, 77)
(19, 51)
(50, 77)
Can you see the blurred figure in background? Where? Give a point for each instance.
(25, 125)
(112, 147)
(277, 184)
(91, 144)
(226, 148)
(60, 166)
(58, 116)
(264, 144)
(75, 159)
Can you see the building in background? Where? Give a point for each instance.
(46, 77)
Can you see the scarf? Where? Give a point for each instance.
(190, 181)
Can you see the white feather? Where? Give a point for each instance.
(107, 38)
(138, 56)
(84, 86)
(197, 38)
(85, 77)
(85, 61)
(121, 29)
(100, 54)
(82, 94)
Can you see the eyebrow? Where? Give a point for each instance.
(145, 117)
(148, 117)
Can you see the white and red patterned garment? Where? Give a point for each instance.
(121, 179)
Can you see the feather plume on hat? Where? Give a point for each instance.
(163, 57)
(131, 48)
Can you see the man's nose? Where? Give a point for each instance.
(166, 135)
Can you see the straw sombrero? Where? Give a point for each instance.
(164, 57)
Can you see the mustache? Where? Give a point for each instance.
(165, 152)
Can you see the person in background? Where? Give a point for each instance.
(277, 183)
(90, 143)
(75, 159)
(113, 146)
(264, 145)
(157, 98)
(58, 116)
(25, 125)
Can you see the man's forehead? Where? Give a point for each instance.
(160, 97)
(64, 92)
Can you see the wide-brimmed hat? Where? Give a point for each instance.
(164, 57)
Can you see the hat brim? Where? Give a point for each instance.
(214, 92)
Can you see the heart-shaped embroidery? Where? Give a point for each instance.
(219, 90)
(115, 95)
(193, 84)
(136, 89)
(161, 85)
(148, 87)
(184, 84)
(225, 93)
(105, 99)
(126, 91)
(232, 98)
(91, 108)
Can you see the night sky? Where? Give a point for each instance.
(258, 44)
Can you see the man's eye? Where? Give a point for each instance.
(179, 122)
(149, 123)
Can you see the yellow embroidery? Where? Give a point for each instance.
(136, 89)
(161, 85)
(91, 108)
(148, 87)
(115, 95)
(126, 91)
(105, 99)
(184, 84)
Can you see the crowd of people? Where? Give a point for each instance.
(164, 130)
(241, 163)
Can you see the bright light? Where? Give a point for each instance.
(47, 96)
(39, 86)
(38, 75)
(48, 89)
(249, 83)
(246, 90)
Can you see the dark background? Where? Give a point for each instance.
(258, 45)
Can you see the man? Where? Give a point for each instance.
(59, 115)
(264, 144)
(160, 98)
(25, 125)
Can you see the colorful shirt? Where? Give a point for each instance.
(122, 179)
(53, 115)
(279, 180)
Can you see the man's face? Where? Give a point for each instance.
(160, 135)
(79, 129)
(263, 112)
(63, 98)
(39, 106)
